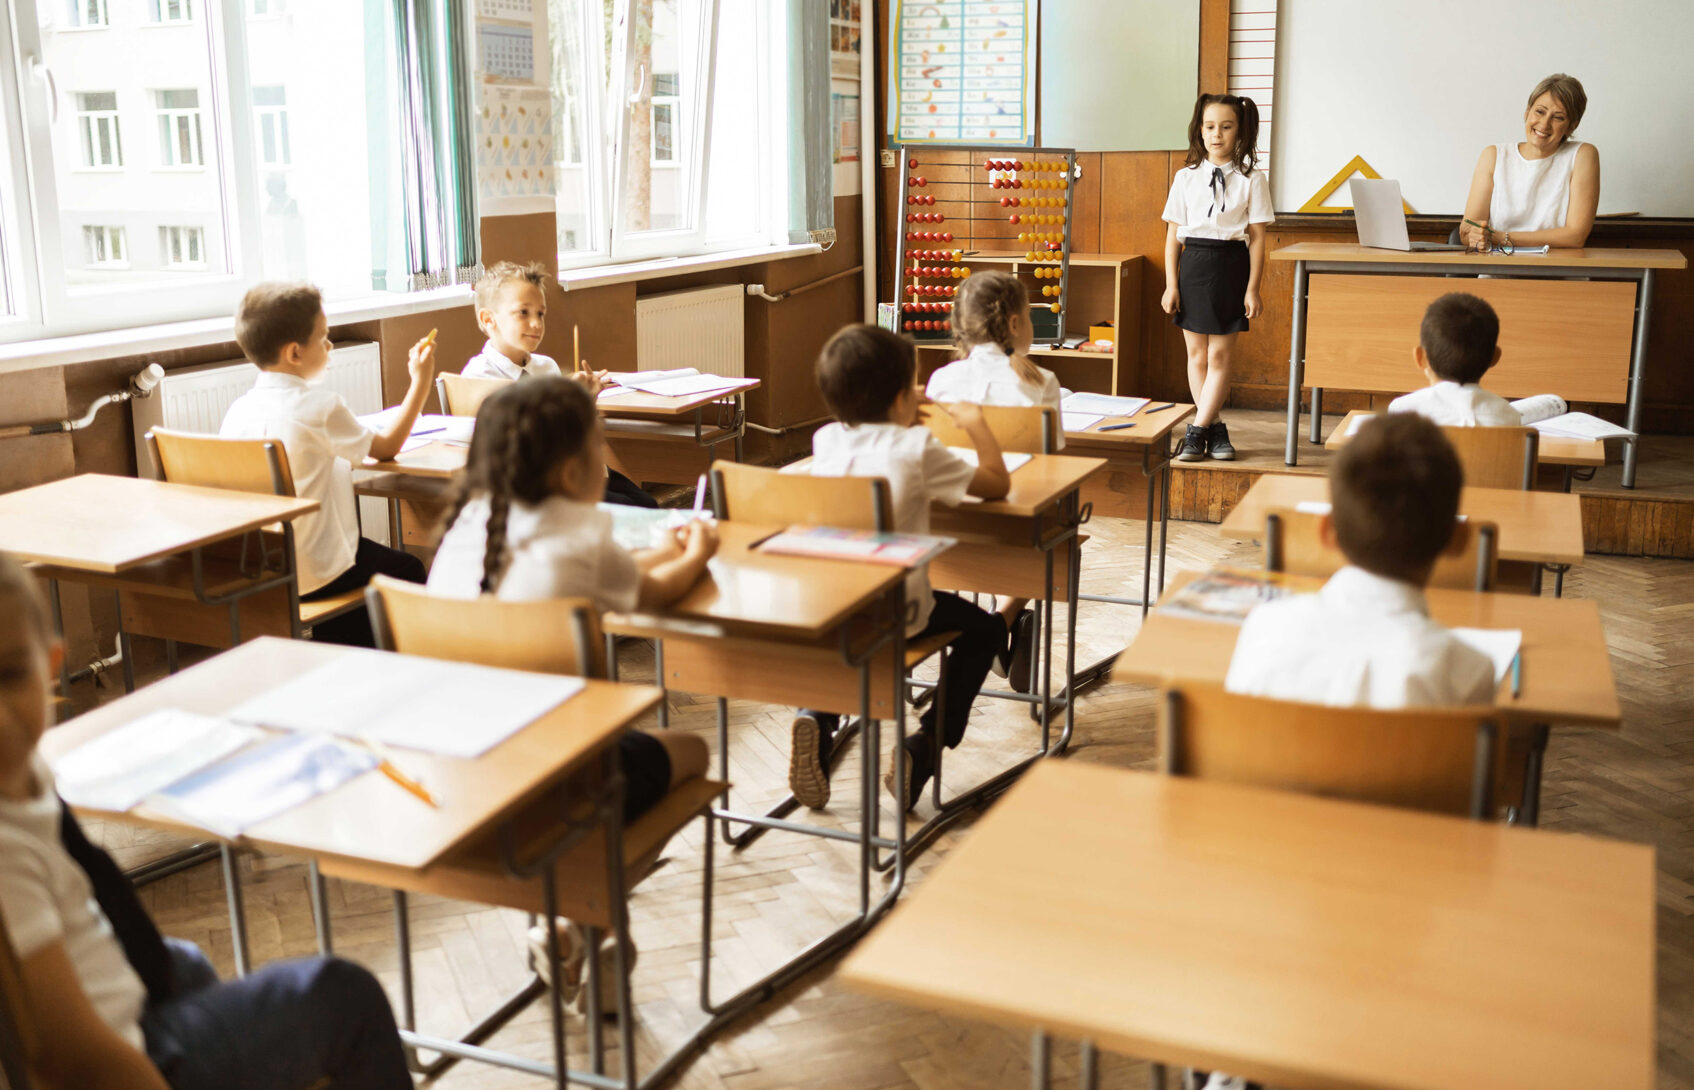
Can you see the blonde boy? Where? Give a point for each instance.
(283, 330)
(1457, 343)
(1366, 638)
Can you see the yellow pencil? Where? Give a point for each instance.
(429, 340)
(576, 348)
(386, 765)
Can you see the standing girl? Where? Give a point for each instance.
(1214, 255)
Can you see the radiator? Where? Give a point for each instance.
(701, 328)
(195, 398)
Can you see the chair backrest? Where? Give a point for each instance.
(552, 636)
(1439, 759)
(1497, 457)
(745, 493)
(463, 395)
(1020, 429)
(19, 1035)
(244, 465)
(1294, 545)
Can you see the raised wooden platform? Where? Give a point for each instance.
(1656, 518)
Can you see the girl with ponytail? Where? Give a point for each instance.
(524, 526)
(1218, 208)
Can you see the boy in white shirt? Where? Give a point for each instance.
(511, 307)
(283, 330)
(1457, 344)
(114, 1002)
(1366, 638)
(867, 377)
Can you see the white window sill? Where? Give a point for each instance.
(171, 336)
(595, 276)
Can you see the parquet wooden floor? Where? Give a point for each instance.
(1636, 784)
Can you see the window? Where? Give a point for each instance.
(88, 13)
(263, 9)
(173, 11)
(179, 128)
(97, 121)
(665, 116)
(182, 247)
(104, 248)
(270, 111)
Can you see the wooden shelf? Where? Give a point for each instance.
(1017, 257)
(1037, 350)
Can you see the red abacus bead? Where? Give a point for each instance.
(946, 236)
(1014, 219)
(1017, 183)
(911, 236)
(946, 325)
(913, 182)
(1017, 164)
(922, 182)
(910, 163)
(911, 217)
(1005, 202)
(936, 217)
(929, 199)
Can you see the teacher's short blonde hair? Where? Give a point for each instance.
(1568, 90)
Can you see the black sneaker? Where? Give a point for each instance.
(1193, 444)
(920, 766)
(810, 741)
(1019, 647)
(1218, 444)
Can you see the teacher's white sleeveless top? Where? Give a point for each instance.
(1531, 194)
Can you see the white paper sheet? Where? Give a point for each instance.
(631, 378)
(1014, 461)
(450, 708)
(1359, 422)
(415, 442)
(1533, 410)
(688, 385)
(1314, 507)
(268, 779)
(431, 426)
(614, 391)
(1102, 404)
(121, 767)
(1499, 644)
(1079, 421)
(1581, 426)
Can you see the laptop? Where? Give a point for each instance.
(1381, 217)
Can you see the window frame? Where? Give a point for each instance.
(107, 233)
(277, 113)
(76, 21)
(173, 130)
(186, 232)
(162, 18)
(88, 122)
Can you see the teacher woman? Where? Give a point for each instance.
(1544, 190)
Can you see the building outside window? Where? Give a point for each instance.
(179, 128)
(182, 247)
(97, 123)
(105, 247)
(88, 13)
(173, 11)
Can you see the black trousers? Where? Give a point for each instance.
(620, 489)
(981, 636)
(353, 628)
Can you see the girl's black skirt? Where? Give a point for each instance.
(1212, 284)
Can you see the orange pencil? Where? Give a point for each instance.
(388, 768)
(576, 348)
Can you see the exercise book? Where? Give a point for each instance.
(259, 783)
(121, 767)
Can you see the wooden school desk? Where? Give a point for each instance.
(646, 428)
(129, 533)
(1301, 942)
(1572, 322)
(803, 633)
(369, 828)
(1566, 677)
(1552, 450)
(1541, 528)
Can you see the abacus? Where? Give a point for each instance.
(957, 199)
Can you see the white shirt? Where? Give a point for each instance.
(986, 377)
(1201, 209)
(1458, 405)
(47, 898)
(558, 548)
(1363, 640)
(492, 363)
(919, 471)
(324, 442)
(1531, 194)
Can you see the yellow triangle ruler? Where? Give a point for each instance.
(1355, 165)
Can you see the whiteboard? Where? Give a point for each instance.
(1118, 75)
(1386, 80)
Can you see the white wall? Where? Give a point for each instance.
(1393, 81)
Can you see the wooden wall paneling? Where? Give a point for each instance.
(1668, 404)
(1085, 205)
(1214, 46)
(1134, 185)
(33, 397)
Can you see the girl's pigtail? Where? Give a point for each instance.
(1247, 143)
(501, 487)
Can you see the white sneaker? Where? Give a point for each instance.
(1220, 1081)
(573, 954)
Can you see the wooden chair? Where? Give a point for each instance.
(20, 1036)
(1020, 429)
(560, 636)
(1293, 545)
(463, 395)
(244, 465)
(1497, 457)
(1445, 760)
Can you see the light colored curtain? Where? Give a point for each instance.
(423, 170)
(811, 187)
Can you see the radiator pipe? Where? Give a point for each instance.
(141, 384)
(97, 669)
(789, 428)
(759, 289)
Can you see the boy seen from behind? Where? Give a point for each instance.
(1457, 344)
(283, 330)
(1366, 639)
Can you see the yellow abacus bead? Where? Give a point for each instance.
(1030, 256)
(964, 270)
(1055, 308)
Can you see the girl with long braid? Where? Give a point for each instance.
(524, 527)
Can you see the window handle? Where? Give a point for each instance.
(44, 75)
(640, 86)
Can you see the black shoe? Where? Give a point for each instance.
(920, 766)
(1193, 444)
(810, 742)
(1020, 650)
(1218, 444)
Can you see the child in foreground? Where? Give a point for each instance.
(511, 308)
(867, 377)
(283, 330)
(1458, 343)
(115, 1003)
(525, 527)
